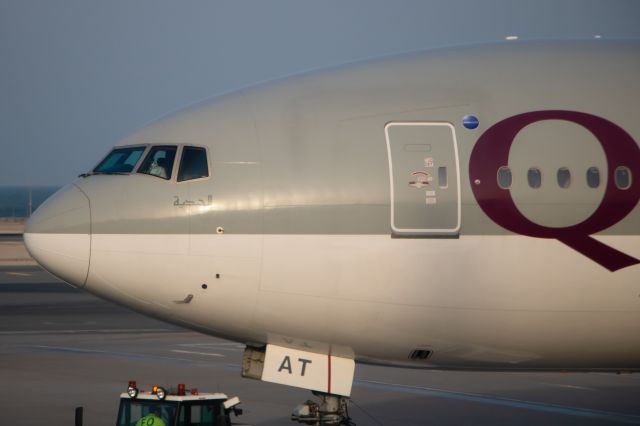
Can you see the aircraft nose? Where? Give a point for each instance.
(58, 235)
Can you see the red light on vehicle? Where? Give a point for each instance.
(194, 391)
(132, 384)
(181, 389)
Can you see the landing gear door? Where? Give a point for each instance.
(424, 179)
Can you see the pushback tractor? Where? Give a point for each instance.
(173, 407)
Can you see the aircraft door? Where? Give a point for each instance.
(424, 179)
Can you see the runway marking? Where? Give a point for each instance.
(96, 331)
(565, 386)
(128, 355)
(231, 347)
(19, 274)
(506, 402)
(196, 353)
(213, 344)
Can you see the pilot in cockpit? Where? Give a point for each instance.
(157, 168)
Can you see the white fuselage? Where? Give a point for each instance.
(304, 232)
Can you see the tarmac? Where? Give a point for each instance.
(61, 348)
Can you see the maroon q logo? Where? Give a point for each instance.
(492, 151)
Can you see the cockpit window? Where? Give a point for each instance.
(159, 161)
(120, 160)
(193, 164)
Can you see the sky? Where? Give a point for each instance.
(76, 76)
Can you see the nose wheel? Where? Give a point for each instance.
(330, 410)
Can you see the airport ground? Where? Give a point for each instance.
(61, 348)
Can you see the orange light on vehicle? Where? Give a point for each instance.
(154, 389)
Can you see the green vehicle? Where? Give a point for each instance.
(175, 407)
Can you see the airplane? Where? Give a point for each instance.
(468, 208)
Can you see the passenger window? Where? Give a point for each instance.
(623, 177)
(193, 164)
(564, 177)
(593, 177)
(534, 177)
(159, 162)
(442, 177)
(120, 160)
(504, 177)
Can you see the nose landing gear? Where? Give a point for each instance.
(331, 410)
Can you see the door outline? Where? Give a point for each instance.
(424, 232)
